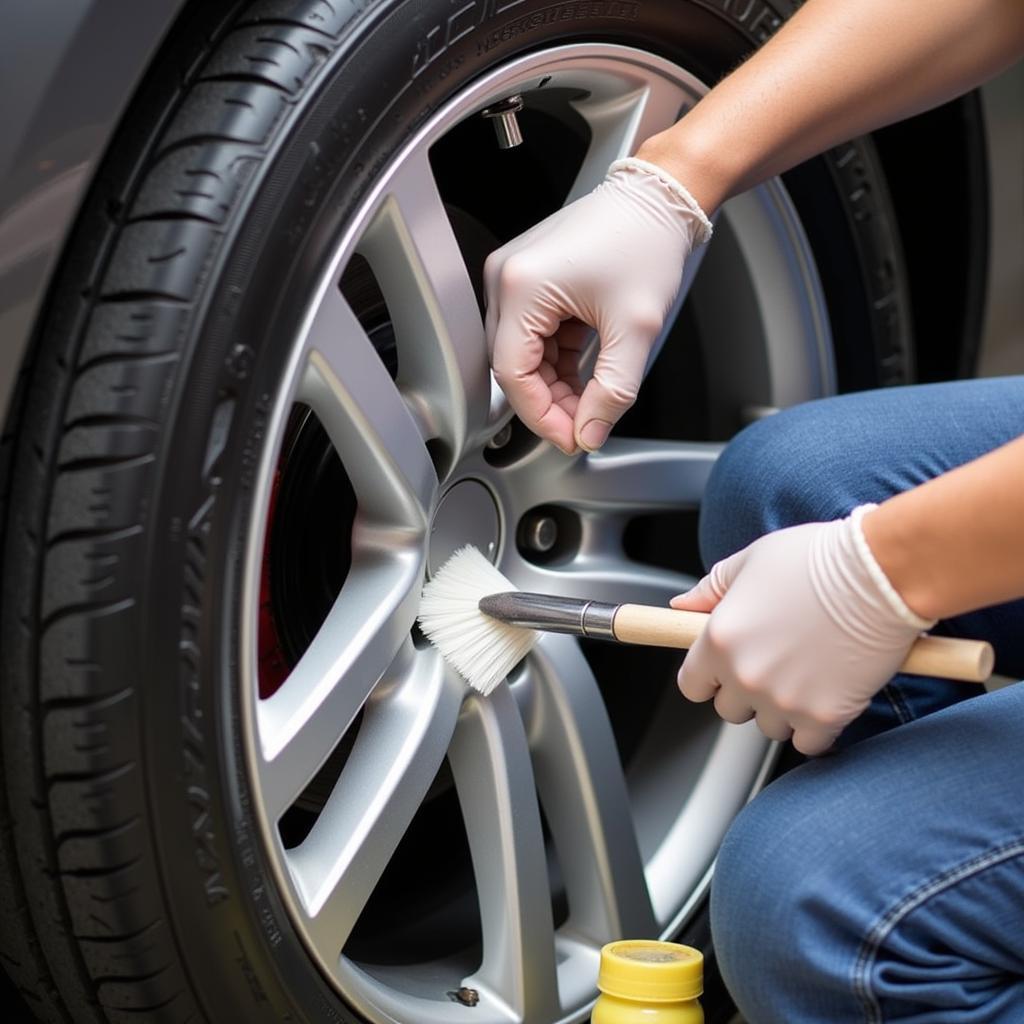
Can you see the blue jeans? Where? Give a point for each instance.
(884, 882)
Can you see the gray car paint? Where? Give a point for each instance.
(67, 71)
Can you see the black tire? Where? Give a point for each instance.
(134, 885)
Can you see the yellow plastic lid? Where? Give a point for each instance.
(660, 972)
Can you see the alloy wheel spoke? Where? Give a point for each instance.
(603, 577)
(490, 760)
(302, 721)
(400, 747)
(621, 117)
(442, 352)
(632, 475)
(583, 789)
(627, 476)
(367, 420)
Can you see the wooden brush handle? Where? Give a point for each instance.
(969, 661)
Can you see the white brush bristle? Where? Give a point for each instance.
(482, 649)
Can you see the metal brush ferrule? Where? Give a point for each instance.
(599, 620)
(551, 614)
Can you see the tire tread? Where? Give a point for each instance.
(75, 850)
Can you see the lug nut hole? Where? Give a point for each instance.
(510, 444)
(548, 533)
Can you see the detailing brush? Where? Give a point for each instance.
(483, 626)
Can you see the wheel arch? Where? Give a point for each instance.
(77, 74)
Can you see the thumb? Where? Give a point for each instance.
(712, 588)
(617, 375)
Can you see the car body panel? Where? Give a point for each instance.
(70, 69)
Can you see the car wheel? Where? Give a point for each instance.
(238, 781)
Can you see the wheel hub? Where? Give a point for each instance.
(466, 514)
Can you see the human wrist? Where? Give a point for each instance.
(670, 193)
(897, 556)
(692, 162)
(883, 582)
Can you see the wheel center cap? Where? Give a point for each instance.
(466, 514)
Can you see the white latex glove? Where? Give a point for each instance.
(612, 260)
(805, 629)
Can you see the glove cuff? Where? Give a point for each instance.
(704, 229)
(892, 598)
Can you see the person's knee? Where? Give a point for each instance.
(747, 918)
(763, 480)
(780, 926)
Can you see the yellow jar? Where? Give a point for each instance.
(645, 982)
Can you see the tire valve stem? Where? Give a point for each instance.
(506, 125)
(466, 996)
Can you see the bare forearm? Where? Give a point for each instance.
(957, 542)
(839, 68)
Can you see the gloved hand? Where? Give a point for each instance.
(805, 629)
(612, 260)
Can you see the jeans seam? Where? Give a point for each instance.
(914, 899)
(898, 704)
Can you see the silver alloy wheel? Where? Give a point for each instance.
(636, 848)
